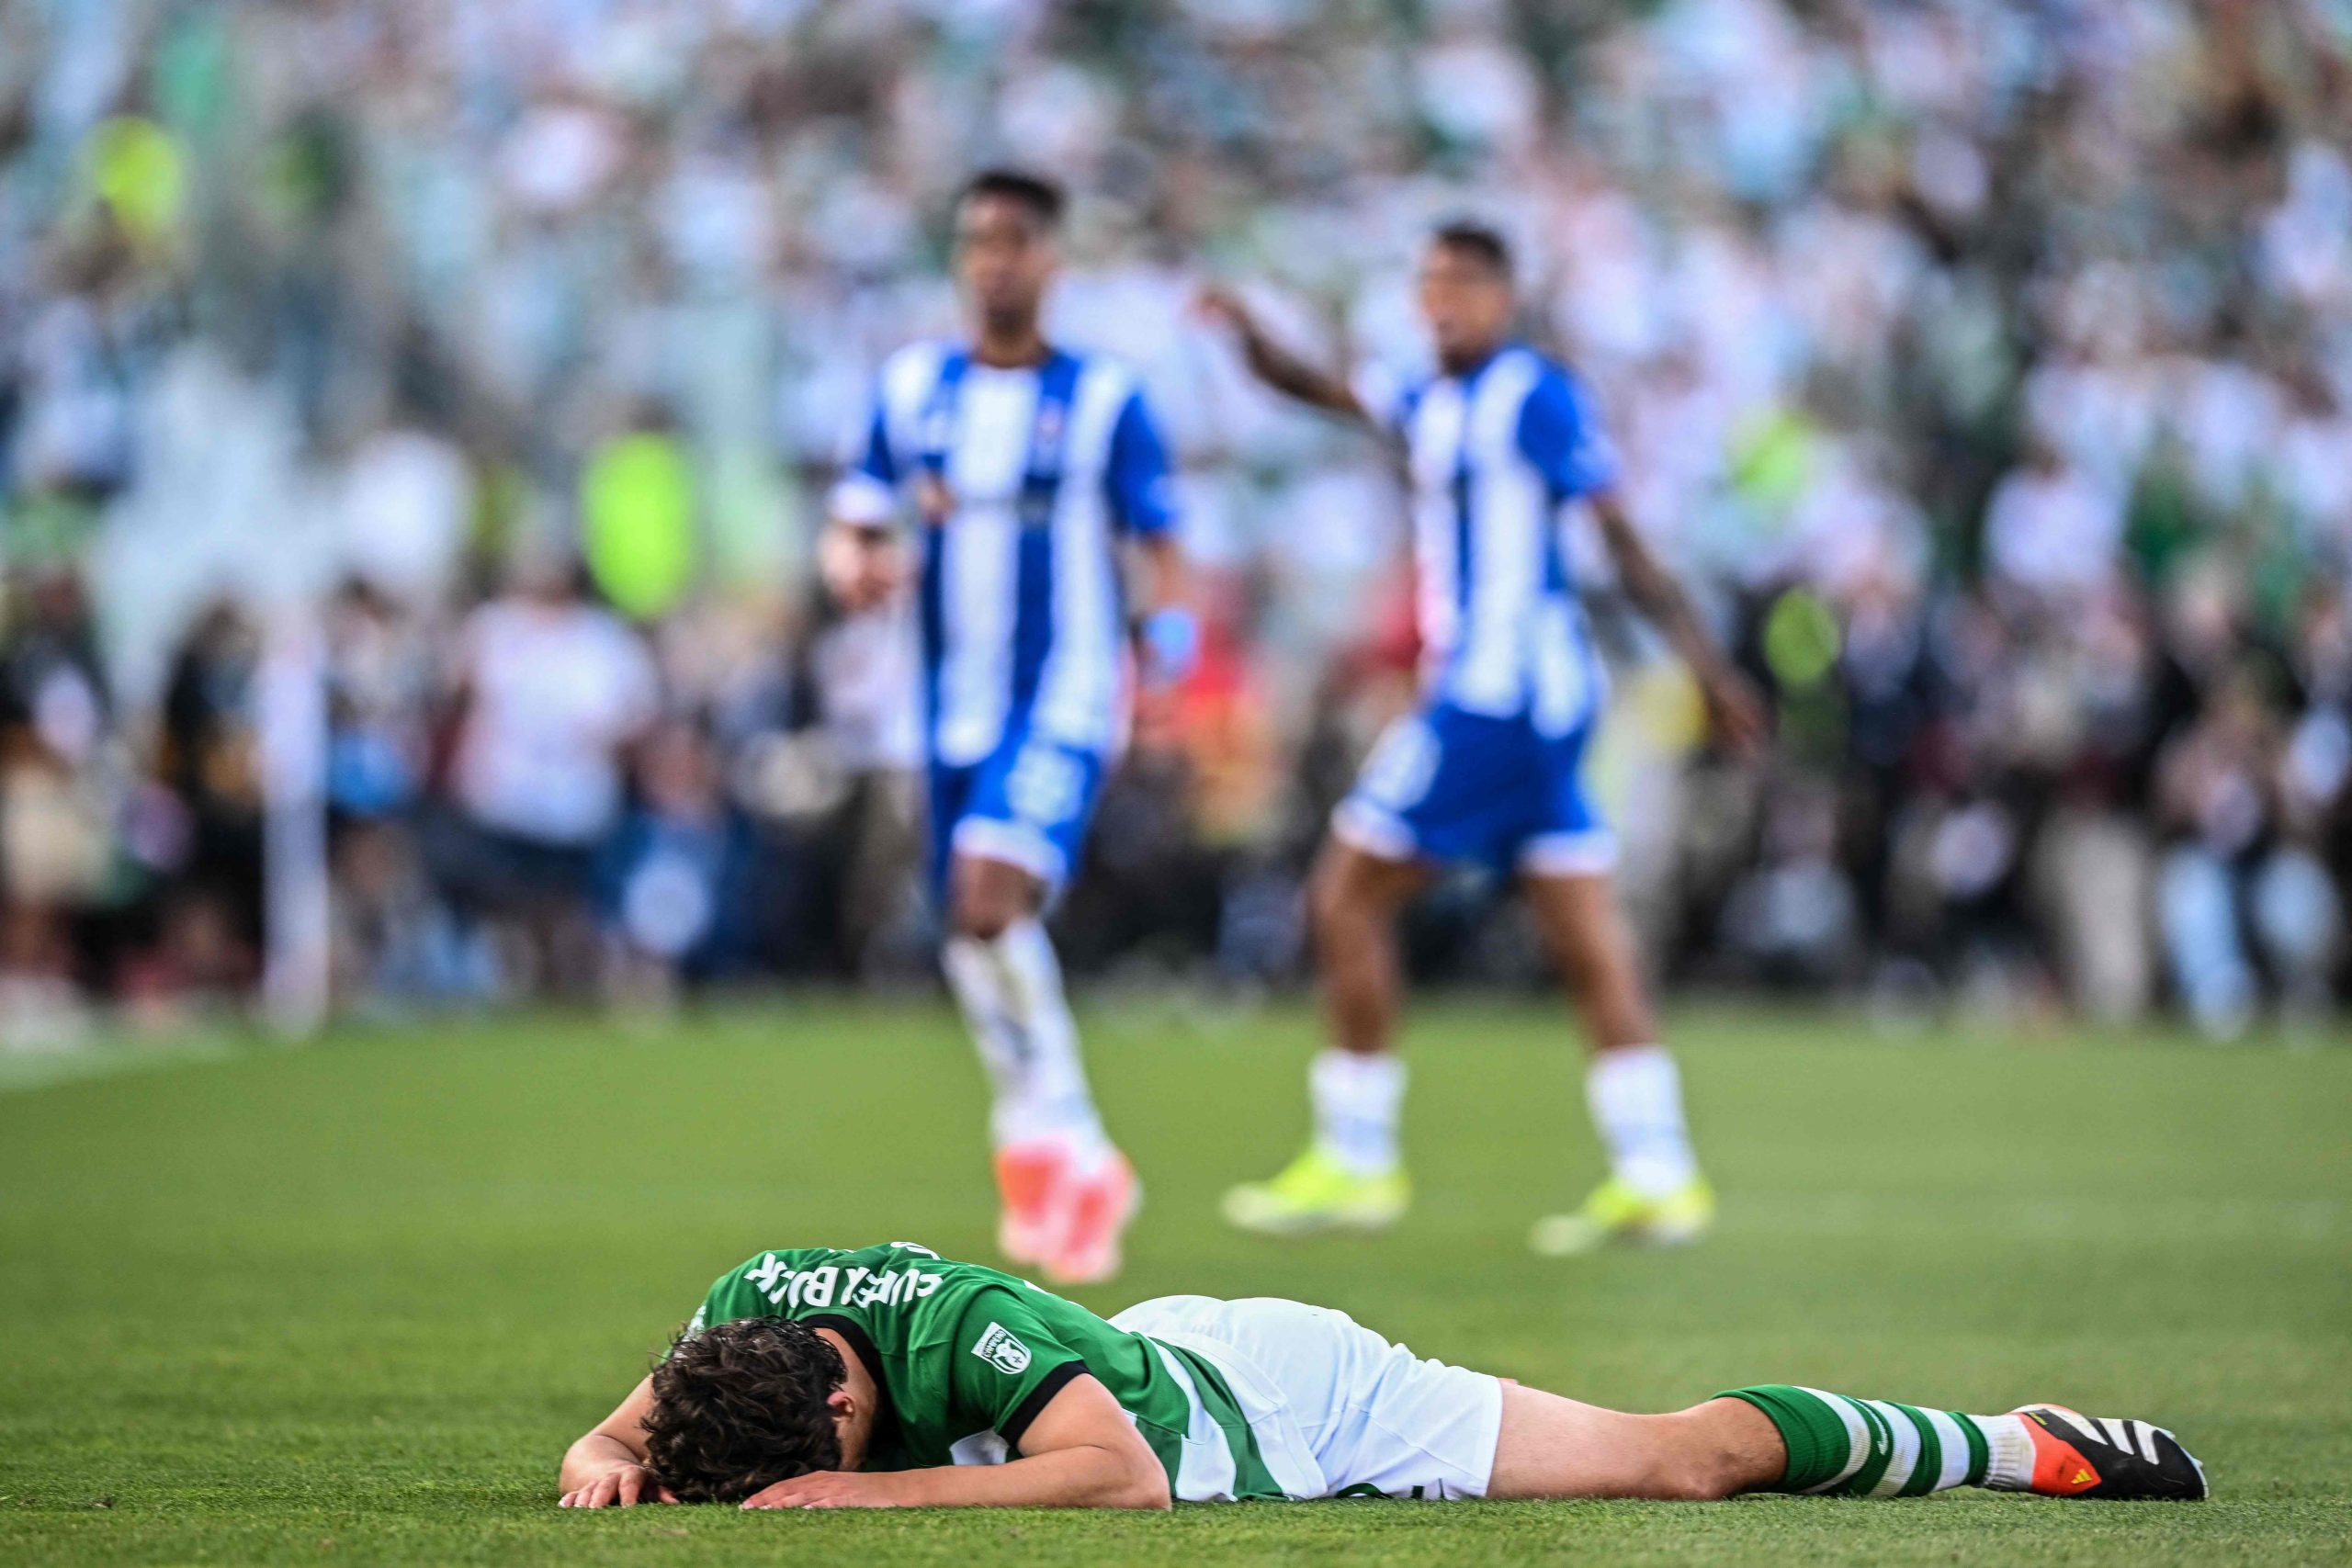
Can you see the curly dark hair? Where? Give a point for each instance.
(740, 1406)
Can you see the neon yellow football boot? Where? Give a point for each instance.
(1316, 1193)
(1615, 1213)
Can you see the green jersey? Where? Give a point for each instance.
(965, 1357)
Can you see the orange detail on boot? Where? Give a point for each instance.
(1100, 1206)
(2058, 1469)
(1032, 1187)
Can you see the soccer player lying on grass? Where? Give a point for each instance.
(890, 1377)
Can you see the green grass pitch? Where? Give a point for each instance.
(346, 1304)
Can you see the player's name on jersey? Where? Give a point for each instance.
(815, 1286)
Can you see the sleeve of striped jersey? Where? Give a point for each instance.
(1004, 1364)
(1143, 492)
(1559, 433)
(867, 489)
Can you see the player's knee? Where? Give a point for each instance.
(982, 917)
(1681, 1478)
(1696, 1462)
(988, 899)
(1699, 1479)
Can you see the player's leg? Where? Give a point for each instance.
(1352, 1176)
(1592, 944)
(1555, 1447)
(1067, 1194)
(1782, 1438)
(1654, 1190)
(1353, 899)
(1437, 787)
(998, 941)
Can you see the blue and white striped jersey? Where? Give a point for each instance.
(1494, 454)
(1022, 483)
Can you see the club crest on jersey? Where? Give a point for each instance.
(1046, 436)
(1000, 1349)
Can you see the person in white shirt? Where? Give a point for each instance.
(552, 690)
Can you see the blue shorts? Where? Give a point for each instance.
(1027, 803)
(1446, 785)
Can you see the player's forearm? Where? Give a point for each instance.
(1655, 592)
(1670, 609)
(1164, 585)
(1293, 376)
(592, 1456)
(1082, 1477)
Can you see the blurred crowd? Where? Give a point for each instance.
(417, 415)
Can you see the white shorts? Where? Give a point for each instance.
(1337, 1410)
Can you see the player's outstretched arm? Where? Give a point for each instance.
(1277, 366)
(1081, 1451)
(606, 1468)
(1734, 708)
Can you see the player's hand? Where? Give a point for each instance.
(1223, 307)
(862, 566)
(830, 1489)
(1737, 713)
(623, 1486)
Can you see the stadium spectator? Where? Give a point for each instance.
(673, 874)
(210, 759)
(55, 807)
(551, 693)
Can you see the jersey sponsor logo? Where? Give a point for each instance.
(827, 1284)
(1001, 1349)
(1046, 436)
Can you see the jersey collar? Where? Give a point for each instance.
(1469, 378)
(1054, 354)
(862, 1342)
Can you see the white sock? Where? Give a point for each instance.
(1635, 1095)
(2008, 1452)
(1357, 1100)
(1058, 1102)
(977, 980)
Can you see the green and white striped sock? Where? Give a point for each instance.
(1873, 1448)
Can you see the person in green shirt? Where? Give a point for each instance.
(890, 1377)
